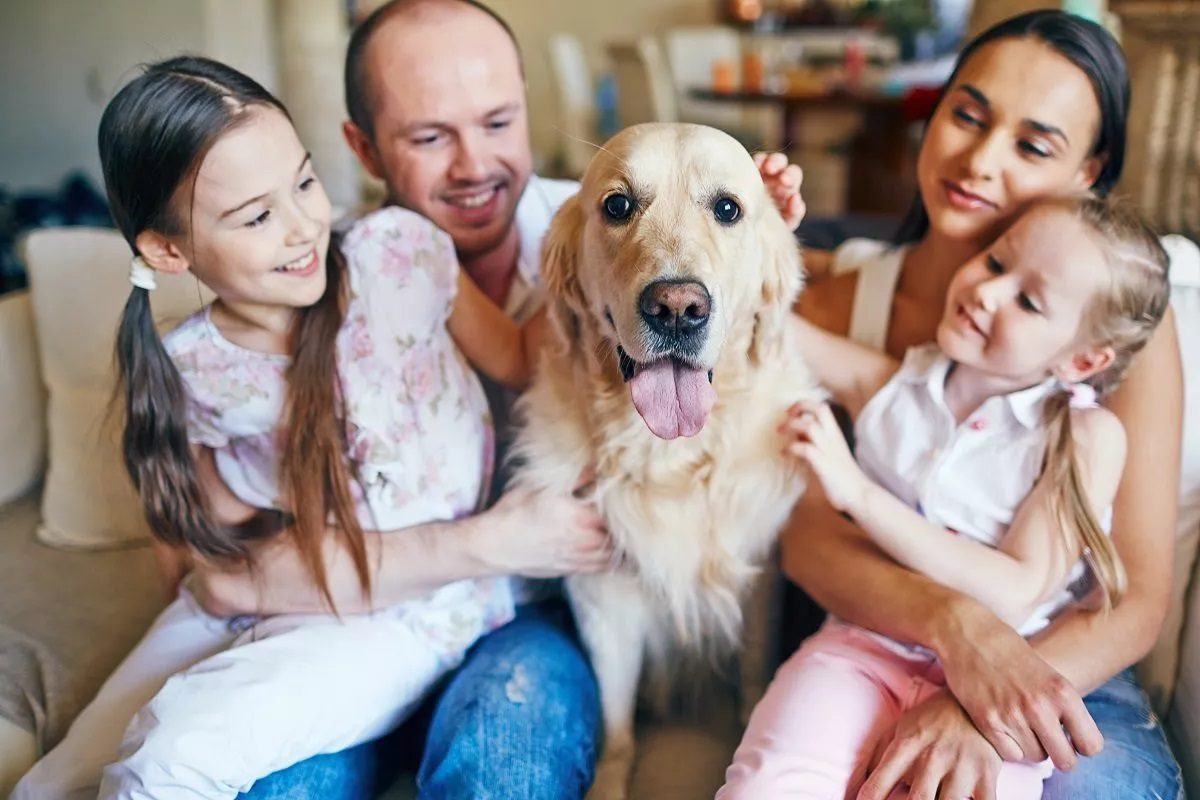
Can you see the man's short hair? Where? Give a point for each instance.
(359, 100)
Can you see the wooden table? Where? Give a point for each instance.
(882, 161)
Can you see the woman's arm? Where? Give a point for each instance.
(496, 345)
(852, 372)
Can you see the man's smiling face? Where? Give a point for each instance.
(451, 138)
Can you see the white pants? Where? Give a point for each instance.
(221, 708)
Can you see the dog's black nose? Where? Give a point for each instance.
(675, 307)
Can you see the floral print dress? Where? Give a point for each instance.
(418, 427)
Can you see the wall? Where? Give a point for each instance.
(595, 23)
(63, 59)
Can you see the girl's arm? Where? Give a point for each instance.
(495, 345)
(852, 372)
(173, 564)
(530, 534)
(1032, 560)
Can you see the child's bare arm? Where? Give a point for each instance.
(1011, 580)
(852, 372)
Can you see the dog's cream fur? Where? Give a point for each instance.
(692, 517)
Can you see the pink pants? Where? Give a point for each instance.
(824, 712)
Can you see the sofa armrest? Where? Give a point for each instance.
(22, 399)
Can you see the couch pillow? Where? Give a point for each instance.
(79, 280)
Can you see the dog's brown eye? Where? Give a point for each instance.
(618, 207)
(726, 211)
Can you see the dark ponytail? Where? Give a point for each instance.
(1090, 48)
(153, 137)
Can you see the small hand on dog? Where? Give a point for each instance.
(783, 182)
(813, 436)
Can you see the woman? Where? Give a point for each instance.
(1036, 106)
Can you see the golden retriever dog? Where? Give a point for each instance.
(670, 279)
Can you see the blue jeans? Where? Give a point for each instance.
(519, 719)
(1136, 763)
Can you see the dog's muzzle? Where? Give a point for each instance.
(671, 392)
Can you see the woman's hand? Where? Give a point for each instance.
(937, 753)
(815, 437)
(783, 185)
(1022, 705)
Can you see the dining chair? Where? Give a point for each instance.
(645, 92)
(573, 81)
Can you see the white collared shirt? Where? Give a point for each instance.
(969, 478)
(538, 204)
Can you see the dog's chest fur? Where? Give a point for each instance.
(691, 517)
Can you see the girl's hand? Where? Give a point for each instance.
(814, 437)
(1025, 709)
(937, 753)
(545, 535)
(783, 184)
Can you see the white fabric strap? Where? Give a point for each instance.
(141, 274)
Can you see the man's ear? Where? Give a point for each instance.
(364, 148)
(1084, 364)
(160, 253)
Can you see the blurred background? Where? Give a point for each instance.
(841, 85)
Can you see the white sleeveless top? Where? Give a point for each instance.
(878, 266)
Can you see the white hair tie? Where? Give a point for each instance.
(141, 274)
(1083, 395)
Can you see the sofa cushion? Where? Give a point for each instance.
(23, 423)
(79, 283)
(66, 619)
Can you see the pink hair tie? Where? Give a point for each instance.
(1083, 395)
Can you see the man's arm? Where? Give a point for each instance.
(495, 345)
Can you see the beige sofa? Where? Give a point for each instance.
(69, 612)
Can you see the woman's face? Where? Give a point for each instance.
(1018, 123)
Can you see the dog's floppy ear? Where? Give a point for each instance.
(782, 277)
(564, 298)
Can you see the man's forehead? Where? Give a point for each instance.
(435, 73)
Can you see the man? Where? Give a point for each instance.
(436, 99)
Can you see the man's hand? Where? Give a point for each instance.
(1026, 709)
(543, 535)
(783, 185)
(937, 753)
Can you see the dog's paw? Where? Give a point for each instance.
(612, 778)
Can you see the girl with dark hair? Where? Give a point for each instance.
(321, 393)
(1037, 107)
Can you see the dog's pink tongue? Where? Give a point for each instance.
(673, 399)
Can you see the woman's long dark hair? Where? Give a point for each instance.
(1089, 47)
(153, 137)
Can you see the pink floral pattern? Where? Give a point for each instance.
(418, 426)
